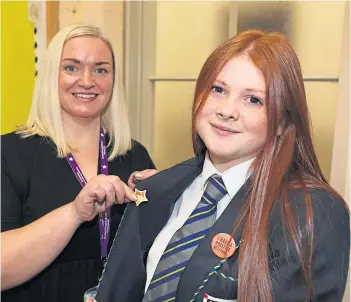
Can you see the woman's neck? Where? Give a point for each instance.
(81, 132)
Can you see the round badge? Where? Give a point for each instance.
(223, 245)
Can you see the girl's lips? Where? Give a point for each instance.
(222, 130)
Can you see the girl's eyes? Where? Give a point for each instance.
(255, 100)
(251, 98)
(218, 90)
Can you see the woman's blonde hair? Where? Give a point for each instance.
(45, 114)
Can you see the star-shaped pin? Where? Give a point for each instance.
(141, 196)
(70, 158)
(104, 166)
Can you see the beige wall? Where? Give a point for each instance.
(108, 15)
(186, 34)
(316, 37)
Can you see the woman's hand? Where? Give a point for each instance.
(100, 193)
(140, 175)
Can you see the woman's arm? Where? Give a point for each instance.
(26, 251)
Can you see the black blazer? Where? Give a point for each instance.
(125, 274)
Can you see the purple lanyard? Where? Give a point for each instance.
(104, 218)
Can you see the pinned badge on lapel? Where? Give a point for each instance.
(223, 245)
(141, 195)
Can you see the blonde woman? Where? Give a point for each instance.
(63, 169)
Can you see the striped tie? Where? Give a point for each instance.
(164, 283)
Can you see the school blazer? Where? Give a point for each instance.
(124, 277)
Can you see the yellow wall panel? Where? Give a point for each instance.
(17, 64)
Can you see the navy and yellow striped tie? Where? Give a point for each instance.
(163, 285)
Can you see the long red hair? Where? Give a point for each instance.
(287, 160)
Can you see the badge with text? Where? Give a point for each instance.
(208, 298)
(223, 245)
(141, 195)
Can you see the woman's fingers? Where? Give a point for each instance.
(110, 194)
(140, 175)
(101, 193)
(119, 190)
(129, 194)
(132, 180)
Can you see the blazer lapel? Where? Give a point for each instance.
(162, 191)
(203, 260)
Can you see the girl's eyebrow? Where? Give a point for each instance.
(222, 83)
(255, 90)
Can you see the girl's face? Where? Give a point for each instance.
(233, 121)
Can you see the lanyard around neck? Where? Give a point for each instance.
(104, 218)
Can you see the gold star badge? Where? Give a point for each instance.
(141, 196)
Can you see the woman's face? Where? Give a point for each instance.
(85, 77)
(233, 121)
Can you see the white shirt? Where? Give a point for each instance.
(233, 179)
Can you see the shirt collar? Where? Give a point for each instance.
(233, 178)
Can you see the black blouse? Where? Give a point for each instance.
(35, 182)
